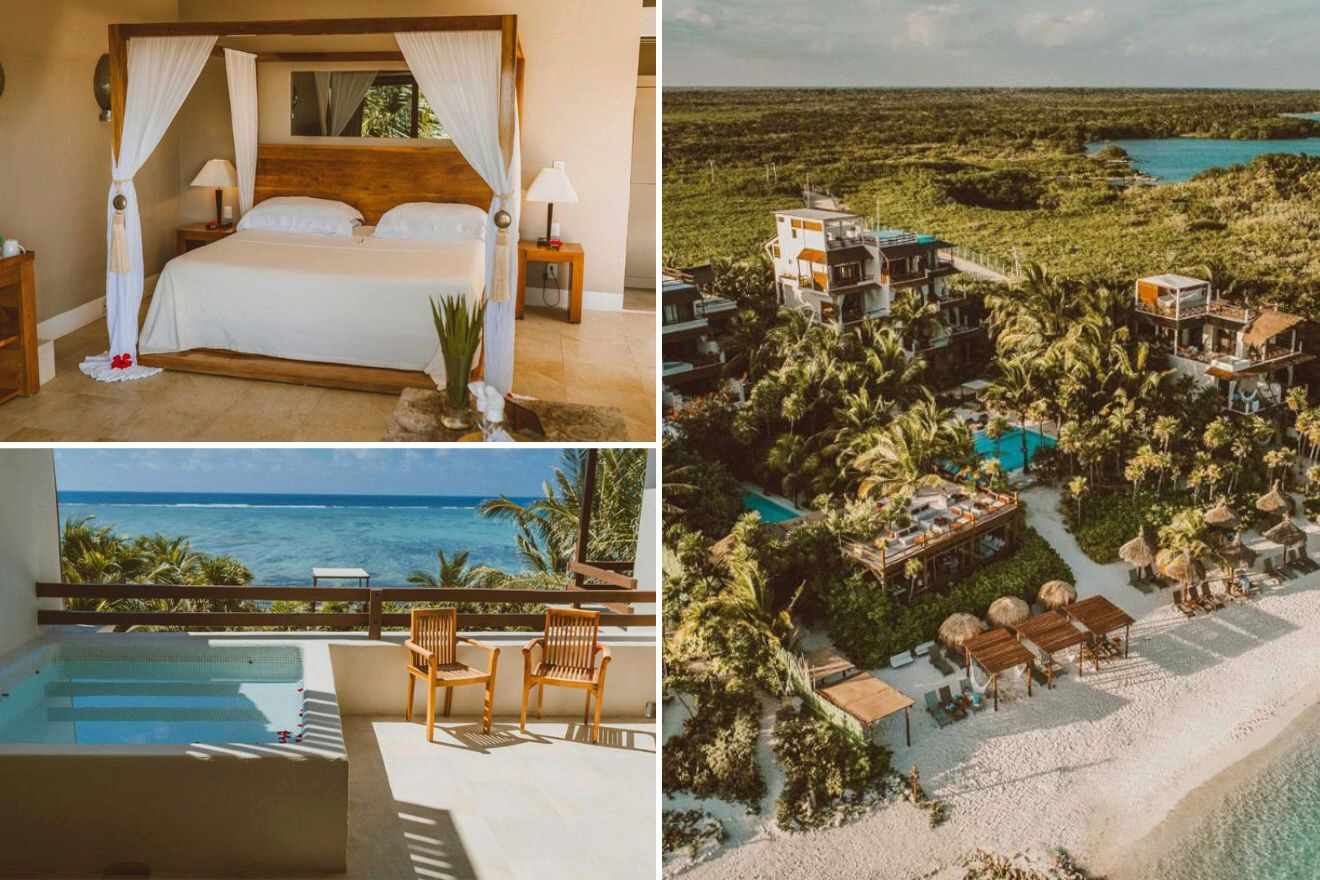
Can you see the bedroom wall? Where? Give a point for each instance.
(54, 150)
(580, 92)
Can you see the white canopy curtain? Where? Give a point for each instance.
(459, 73)
(241, 72)
(347, 89)
(322, 80)
(161, 73)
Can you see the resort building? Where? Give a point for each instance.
(949, 529)
(692, 323)
(832, 264)
(1248, 354)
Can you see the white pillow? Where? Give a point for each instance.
(433, 221)
(302, 214)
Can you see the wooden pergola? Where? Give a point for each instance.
(998, 651)
(1101, 617)
(1052, 632)
(869, 700)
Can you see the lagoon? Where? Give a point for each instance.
(1173, 160)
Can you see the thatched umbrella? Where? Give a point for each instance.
(1139, 552)
(1236, 553)
(1285, 533)
(1056, 594)
(959, 628)
(1007, 611)
(1179, 566)
(1273, 501)
(1221, 515)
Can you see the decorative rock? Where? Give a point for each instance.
(416, 418)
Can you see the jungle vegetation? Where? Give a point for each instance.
(1005, 172)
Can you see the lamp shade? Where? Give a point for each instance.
(217, 173)
(551, 185)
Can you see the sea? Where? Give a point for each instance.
(281, 538)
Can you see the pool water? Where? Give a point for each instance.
(248, 698)
(770, 511)
(1008, 448)
(1174, 160)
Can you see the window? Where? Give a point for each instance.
(360, 103)
(671, 314)
(848, 273)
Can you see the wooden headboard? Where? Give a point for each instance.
(372, 179)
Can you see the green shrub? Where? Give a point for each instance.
(691, 830)
(1110, 521)
(715, 754)
(870, 627)
(1005, 189)
(827, 773)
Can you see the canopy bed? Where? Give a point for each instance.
(292, 299)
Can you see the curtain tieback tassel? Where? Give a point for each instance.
(500, 284)
(119, 238)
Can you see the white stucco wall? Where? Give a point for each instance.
(29, 540)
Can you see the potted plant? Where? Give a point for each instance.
(459, 330)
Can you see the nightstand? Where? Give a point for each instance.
(194, 235)
(572, 254)
(18, 327)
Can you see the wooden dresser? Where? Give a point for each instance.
(18, 327)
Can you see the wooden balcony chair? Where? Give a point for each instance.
(433, 659)
(569, 658)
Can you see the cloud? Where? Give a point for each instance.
(930, 26)
(691, 15)
(1052, 31)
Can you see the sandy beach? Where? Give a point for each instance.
(1094, 765)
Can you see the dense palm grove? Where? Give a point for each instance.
(547, 535)
(842, 421)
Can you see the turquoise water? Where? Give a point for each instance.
(1265, 829)
(769, 510)
(150, 700)
(1177, 159)
(282, 537)
(1009, 447)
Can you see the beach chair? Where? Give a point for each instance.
(433, 659)
(1182, 604)
(936, 710)
(969, 693)
(938, 660)
(952, 706)
(571, 657)
(1210, 598)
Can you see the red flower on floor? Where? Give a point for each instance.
(121, 362)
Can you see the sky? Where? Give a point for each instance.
(1191, 43)
(475, 472)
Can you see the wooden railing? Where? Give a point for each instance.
(373, 617)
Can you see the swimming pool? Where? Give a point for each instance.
(1008, 448)
(770, 511)
(251, 695)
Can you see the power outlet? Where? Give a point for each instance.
(552, 272)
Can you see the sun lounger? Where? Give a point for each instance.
(969, 693)
(923, 649)
(1182, 604)
(1211, 598)
(898, 660)
(1194, 596)
(936, 710)
(938, 660)
(1136, 579)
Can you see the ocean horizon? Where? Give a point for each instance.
(282, 537)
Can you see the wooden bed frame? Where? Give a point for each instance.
(371, 178)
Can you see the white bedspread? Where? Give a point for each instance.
(351, 300)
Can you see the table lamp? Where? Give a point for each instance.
(217, 173)
(551, 185)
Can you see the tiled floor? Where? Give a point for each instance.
(544, 804)
(607, 360)
(639, 300)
